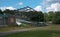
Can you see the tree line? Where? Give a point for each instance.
(53, 17)
(40, 16)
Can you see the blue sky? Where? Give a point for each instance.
(15, 3)
(38, 5)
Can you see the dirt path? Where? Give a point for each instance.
(14, 31)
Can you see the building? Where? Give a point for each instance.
(11, 20)
(7, 20)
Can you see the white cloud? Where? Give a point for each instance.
(46, 2)
(20, 3)
(51, 5)
(38, 8)
(54, 7)
(10, 8)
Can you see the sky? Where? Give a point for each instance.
(38, 5)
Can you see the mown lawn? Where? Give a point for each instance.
(48, 31)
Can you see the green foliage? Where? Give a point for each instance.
(23, 25)
(9, 12)
(1, 12)
(54, 17)
(50, 15)
(45, 17)
(33, 15)
(57, 17)
(38, 16)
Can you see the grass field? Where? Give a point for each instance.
(41, 33)
(47, 31)
(9, 28)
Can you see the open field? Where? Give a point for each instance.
(39, 33)
(9, 28)
(49, 27)
(47, 31)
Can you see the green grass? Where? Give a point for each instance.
(9, 28)
(37, 33)
(47, 31)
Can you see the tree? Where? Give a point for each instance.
(38, 16)
(45, 16)
(9, 12)
(6, 11)
(50, 15)
(56, 19)
(1, 11)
